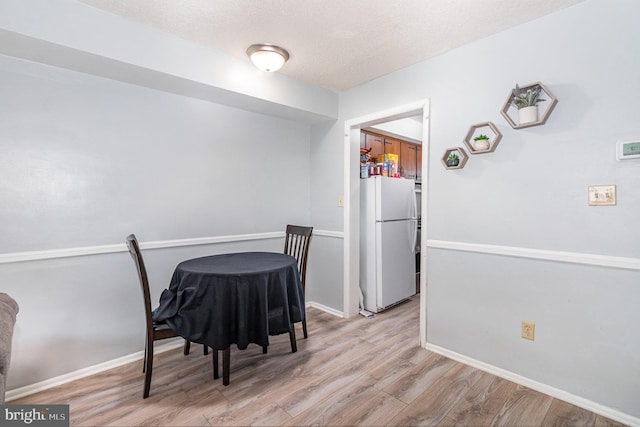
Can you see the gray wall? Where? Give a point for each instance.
(529, 195)
(86, 161)
(75, 147)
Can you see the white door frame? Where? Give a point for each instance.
(352, 204)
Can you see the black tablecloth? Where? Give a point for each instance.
(238, 298)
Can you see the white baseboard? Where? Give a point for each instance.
(587, 404)
(325, 308)
(85, 372)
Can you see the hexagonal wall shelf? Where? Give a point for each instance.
(462, 158)
(482, 146)
(511, 113)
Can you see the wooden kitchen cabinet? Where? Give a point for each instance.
(409, 153)
(391, 146)
(408, 160)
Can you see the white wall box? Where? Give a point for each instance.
(626, 150)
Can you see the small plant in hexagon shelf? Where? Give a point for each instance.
(526, 101)
(453, 160)
(481, 142)
(526, 98)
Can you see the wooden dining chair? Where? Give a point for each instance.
(154, 331)
(296, 244)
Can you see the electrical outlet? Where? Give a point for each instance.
(528, 330)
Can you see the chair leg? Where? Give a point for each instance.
(144, 361)
(292, 338)
(187, 348)
(216, 373)
(226, 361)
(149, 369)
(304, 328)
(264, 349)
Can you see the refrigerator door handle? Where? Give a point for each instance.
(415, 236)
(414, 204)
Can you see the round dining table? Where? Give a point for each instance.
(236, 298)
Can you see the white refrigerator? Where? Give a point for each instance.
(388, 233)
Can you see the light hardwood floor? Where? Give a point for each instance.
(356, 372)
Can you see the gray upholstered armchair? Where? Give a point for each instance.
(8, 311)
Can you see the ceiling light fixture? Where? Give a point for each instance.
(267, 57)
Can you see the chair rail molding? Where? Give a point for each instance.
(541, 254)
(12, 257)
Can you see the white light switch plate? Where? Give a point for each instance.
(602, 195)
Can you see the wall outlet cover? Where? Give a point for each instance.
(528, 330)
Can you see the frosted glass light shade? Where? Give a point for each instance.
(267, 57)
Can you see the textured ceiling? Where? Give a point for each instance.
(335, 44)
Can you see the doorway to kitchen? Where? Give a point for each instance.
(352, 130)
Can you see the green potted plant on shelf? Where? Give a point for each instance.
(481, 142)
(453, 160)
(526, 101)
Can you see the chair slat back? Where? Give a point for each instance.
(134, 251)
(296, 244)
